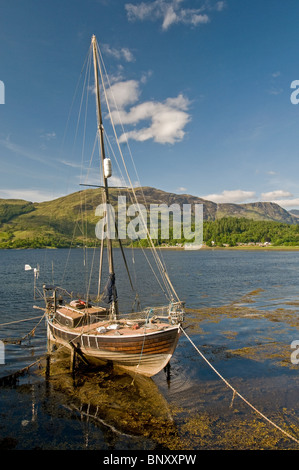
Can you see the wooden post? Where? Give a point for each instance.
(76, 352)
(48, 359)
(73, 358)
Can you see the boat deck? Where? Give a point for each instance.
(107, 327)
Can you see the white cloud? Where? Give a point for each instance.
(123, 53)
(34, 195)
(71, 164)
(234, 196)
(146, 76)
(117, 182)
(275, 91)
(169, 17)
(171, 12)
(192, 17)
(220, 6)
(48, 136)
(283, 198)
(287, 203)
(275, 194)
(123, 93)
(93, 180)
(167, 120)
(141, 11)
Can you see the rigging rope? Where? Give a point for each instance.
(158, 260)
(235, 392)
(159, 263)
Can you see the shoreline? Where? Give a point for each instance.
(253, 248)
(178, 248)
(236, 248)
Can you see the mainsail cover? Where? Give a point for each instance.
(110, 292)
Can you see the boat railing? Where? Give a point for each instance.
(174, 312)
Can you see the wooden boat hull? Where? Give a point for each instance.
(145, 354)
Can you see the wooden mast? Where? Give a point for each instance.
(106, 192)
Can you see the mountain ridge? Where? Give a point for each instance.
(212, 210)
(55, 220)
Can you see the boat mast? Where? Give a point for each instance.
(101, 134)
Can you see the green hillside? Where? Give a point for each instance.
(71, 219)
(10, 208)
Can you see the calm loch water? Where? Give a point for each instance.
(242, 314)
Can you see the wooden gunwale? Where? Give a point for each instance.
(148, 343)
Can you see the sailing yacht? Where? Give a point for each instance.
(142, 343)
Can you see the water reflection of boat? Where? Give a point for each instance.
(121, 405)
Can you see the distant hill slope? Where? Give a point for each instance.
(213, 211)
(58, 220)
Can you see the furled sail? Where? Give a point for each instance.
(110, 292)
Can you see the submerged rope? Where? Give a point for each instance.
(235, 392)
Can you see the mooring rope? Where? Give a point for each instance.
(11, 378)
(235, 392)
(28, 335)
(18, 321)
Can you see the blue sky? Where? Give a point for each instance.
(203, 88)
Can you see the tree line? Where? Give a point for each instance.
(233, 231)
(228, 231)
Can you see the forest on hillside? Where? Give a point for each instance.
(228, 231)
(233, 231)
